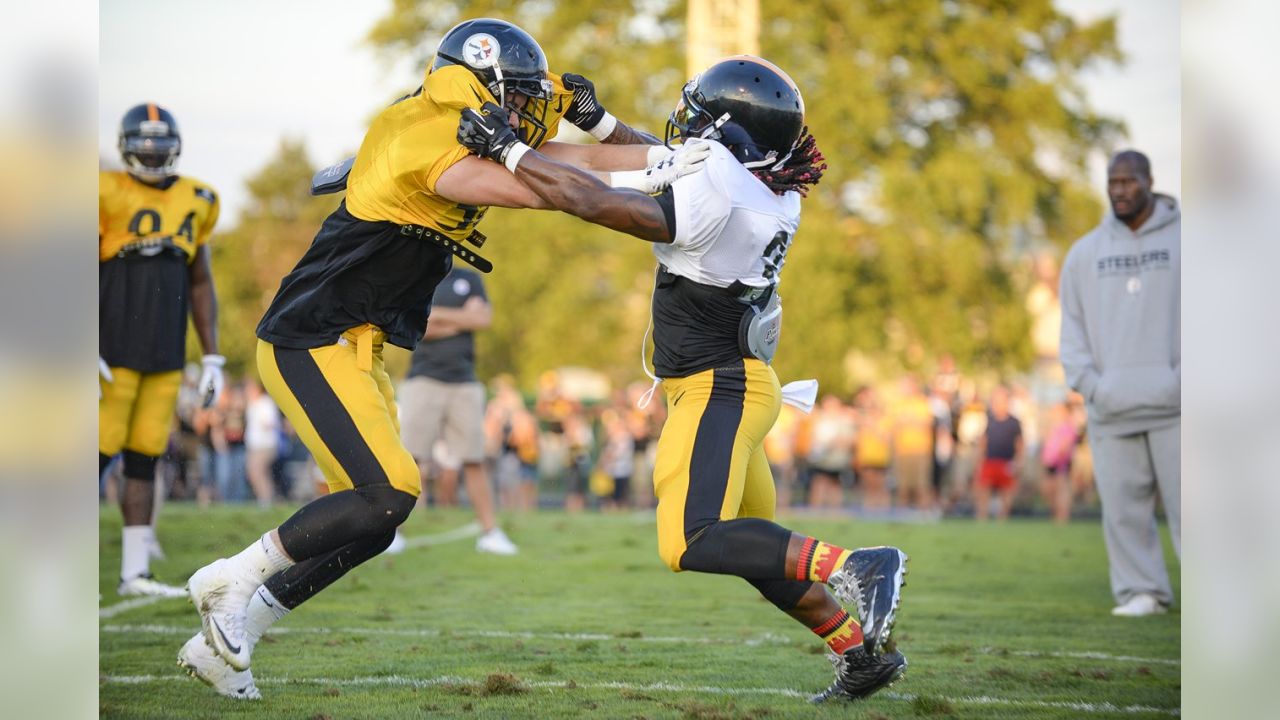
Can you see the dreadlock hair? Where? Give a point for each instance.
(802, 168)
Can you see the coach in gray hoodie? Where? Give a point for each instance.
(1121, 349)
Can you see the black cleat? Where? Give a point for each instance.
(871, 580)
(859, 674)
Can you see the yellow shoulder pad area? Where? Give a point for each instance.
(453, 86)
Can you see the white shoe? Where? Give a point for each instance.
(1140, 605)
(397, 545)
(148, 585)
(203, 664)
(221, 601)
(495, 541)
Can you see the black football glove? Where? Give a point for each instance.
(585, 111)
(487, 134)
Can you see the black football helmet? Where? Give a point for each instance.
(746, 103)
(149, 142)
(510, 63)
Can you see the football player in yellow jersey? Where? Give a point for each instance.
(413, 198)
(153, 264)
(721, 237)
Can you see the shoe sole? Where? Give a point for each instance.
(900, 581)
(194, 672)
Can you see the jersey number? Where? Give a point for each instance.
(775, 254)
(152, 219)
(470, 218)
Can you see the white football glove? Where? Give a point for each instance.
(104, 372)
(688, 158)
(210, 386)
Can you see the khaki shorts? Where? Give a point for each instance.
(452, 412)
(912, 471)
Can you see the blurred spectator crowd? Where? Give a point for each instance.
(908, 449)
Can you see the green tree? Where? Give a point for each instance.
(956, 133)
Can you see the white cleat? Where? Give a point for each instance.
(221, 604)
(1140, 605)
(495, 541)
(398, 544)
(148, 585)
(203, 664)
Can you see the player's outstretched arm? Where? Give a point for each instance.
(564, 187)
(588, 115)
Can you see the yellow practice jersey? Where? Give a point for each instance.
(136, 217)
(148, 237)
(366, 265)
(412, 143)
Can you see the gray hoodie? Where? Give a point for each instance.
(1121, 322)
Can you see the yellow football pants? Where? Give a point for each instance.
(711, 464)
(341, 402)
(136, 411)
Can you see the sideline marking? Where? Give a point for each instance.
(767, 639)
(400, 681)
(132, 604)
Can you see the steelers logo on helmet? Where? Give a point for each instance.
(481, 51)
(509, 63)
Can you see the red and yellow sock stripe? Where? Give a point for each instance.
(840, 633)
(818, 560)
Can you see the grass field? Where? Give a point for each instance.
(1007, 621)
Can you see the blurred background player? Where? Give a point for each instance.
(999, 458)
(153, 266)
(414, 195)
(441, 399)
(721, 237)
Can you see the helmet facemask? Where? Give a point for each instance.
(530, 100)
(151, 153)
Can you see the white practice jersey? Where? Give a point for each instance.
(727, 225)
(731, 234)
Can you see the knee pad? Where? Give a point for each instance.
(746, 547)
(139, 467)
(391, 506)
(784, 594)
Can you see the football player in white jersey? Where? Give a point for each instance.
(721, 238)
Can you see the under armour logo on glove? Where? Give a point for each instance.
(487, 134)
(688, 158)
(585, 111)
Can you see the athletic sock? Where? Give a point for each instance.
(818, 560)
(840, 632)
(259, 561)
(134, 558)
(263, 611)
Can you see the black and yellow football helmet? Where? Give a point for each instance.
(747, 104)
(511, 65)
(149, 142)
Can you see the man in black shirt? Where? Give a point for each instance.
(1000, 454)
(442, 400)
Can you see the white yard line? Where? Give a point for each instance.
(131, 604)
(400, 681)
(469, 530)
(767, 639)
